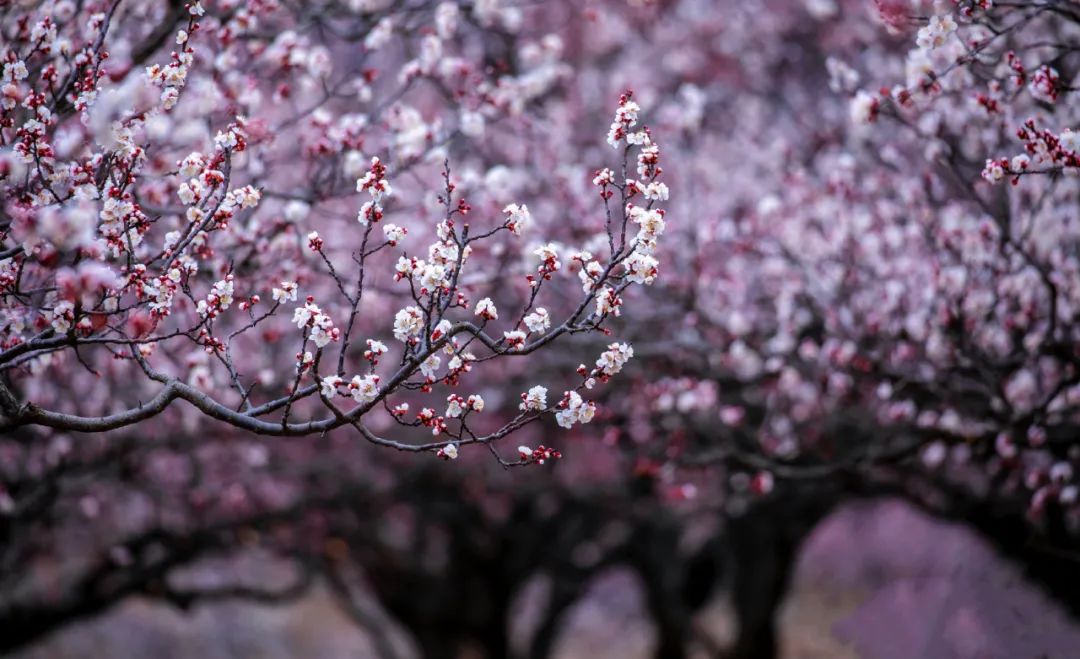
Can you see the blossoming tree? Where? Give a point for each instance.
(163, 254)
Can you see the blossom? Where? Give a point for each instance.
(650, 223)
(323, 331)
(321, 326)
(329, 385)
(864, 108)
(454, 406)
(226, 140)
(1045, 84)
(994, 171)
(429, 366)
(219, 299)
(190, 192)
(613, 359)
(538, 321)
(192, 165)
(448, 452)
(286, 293)
(1069, 140)
(441, 330)
(446, 19)
(433, 277)
(647, 161)
(626, 117)
(935, 32)
(364, 389)
(656, 190)
(408, 323)
(574, 410)
(394, 233)
(380, 35)
(608, 302)
(641, 268)
(15, 71)
(406, 267)
(549, 257)
(374, 181)
(296, 210)
(534, 400)
(518, 219)
(515, 340)
(485, 308)
(302, 315)
(63, 315)
(375, 350)
(472, 123)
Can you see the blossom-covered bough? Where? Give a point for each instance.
(161, 252)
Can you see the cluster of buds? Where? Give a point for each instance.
(172, 77)
(429, 419)
(626, 116)
(1043, 148)
(210, 343)
(539, 455)
(1045, 84)
(375, 349)
(549, 262)
(304, 362)
(604, 179)
(518, 218)
(375, 184)
(457, 406)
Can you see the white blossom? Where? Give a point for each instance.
(485, 308)
(934, 33)
(576, 411)
(408, 323)
(538, 321)
(364, 389)
(519, 218)
(534, 400)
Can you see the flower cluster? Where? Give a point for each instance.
(375, 184)
(320, 326)
(574, 409)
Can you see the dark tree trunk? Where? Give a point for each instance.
(764, 544)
